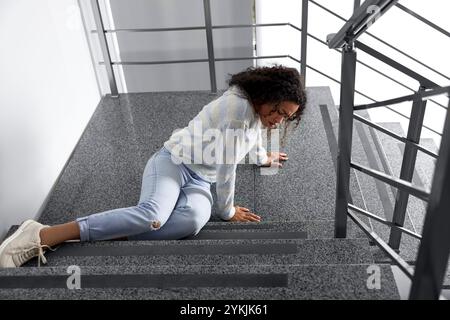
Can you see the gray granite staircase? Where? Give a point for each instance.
(423, 173)
(235, 282)
(213, 252)
(291, 254)
(423, 177)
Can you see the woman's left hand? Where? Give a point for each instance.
(243, 214)
(274, 159)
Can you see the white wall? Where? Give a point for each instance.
(48, 92)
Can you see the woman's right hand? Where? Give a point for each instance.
(244, 215)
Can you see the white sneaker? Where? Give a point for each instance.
(22, 245)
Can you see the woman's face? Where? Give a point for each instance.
(273, 114)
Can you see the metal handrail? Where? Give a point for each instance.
(433, 257)
(193, 28)
(383, 221)
(424, 20)
(394, 135)
(346, 37)
(366, 65)
(104, 48)
(379, 72)
(248, 58)
(383, 42)
(393, 181)
(372, 99)
(405, 267)
(198, 60)
(362, 18)
(274, 57)
(210, 45)
(427, 83)
(413, 97)
(304, 39)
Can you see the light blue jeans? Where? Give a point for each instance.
(175, 203)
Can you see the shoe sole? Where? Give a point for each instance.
(14, 235)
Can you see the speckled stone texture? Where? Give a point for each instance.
(416, 207)
(426, 164)
(225, 252)
(423, 173)
(300, 190)
(358, 154)
(304, 282)
(105, 172)
(314, 229)
(377, 198)
(371, 194)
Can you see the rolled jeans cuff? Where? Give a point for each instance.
(83, 224)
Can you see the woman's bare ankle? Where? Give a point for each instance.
(51, 236)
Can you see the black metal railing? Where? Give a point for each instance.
(390, 46)
(208, 27)
(427, 278)
(211, 59)
(434, 249)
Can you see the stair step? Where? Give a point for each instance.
(251, 230)
(232, 234)
(425, 164)
(304, 188)
(380, 198)
(126, 144)
(409, 246)
(106, 168)
(366, 192)
(199, 282)
(211, 252)
(386, 260)
(423, 171)
(290, 255)
(380, 257)
(313, 229)
(358, 181)
(377, 195)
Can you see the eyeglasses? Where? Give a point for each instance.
(276, 108)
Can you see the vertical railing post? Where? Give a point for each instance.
(210, 44)
(356, 4)
(407, 170)
(104, 47)
(304, 40)
(348, 69)
(433, 255)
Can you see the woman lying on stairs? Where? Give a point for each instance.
(175, 200)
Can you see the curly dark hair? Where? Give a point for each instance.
(271, 85)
